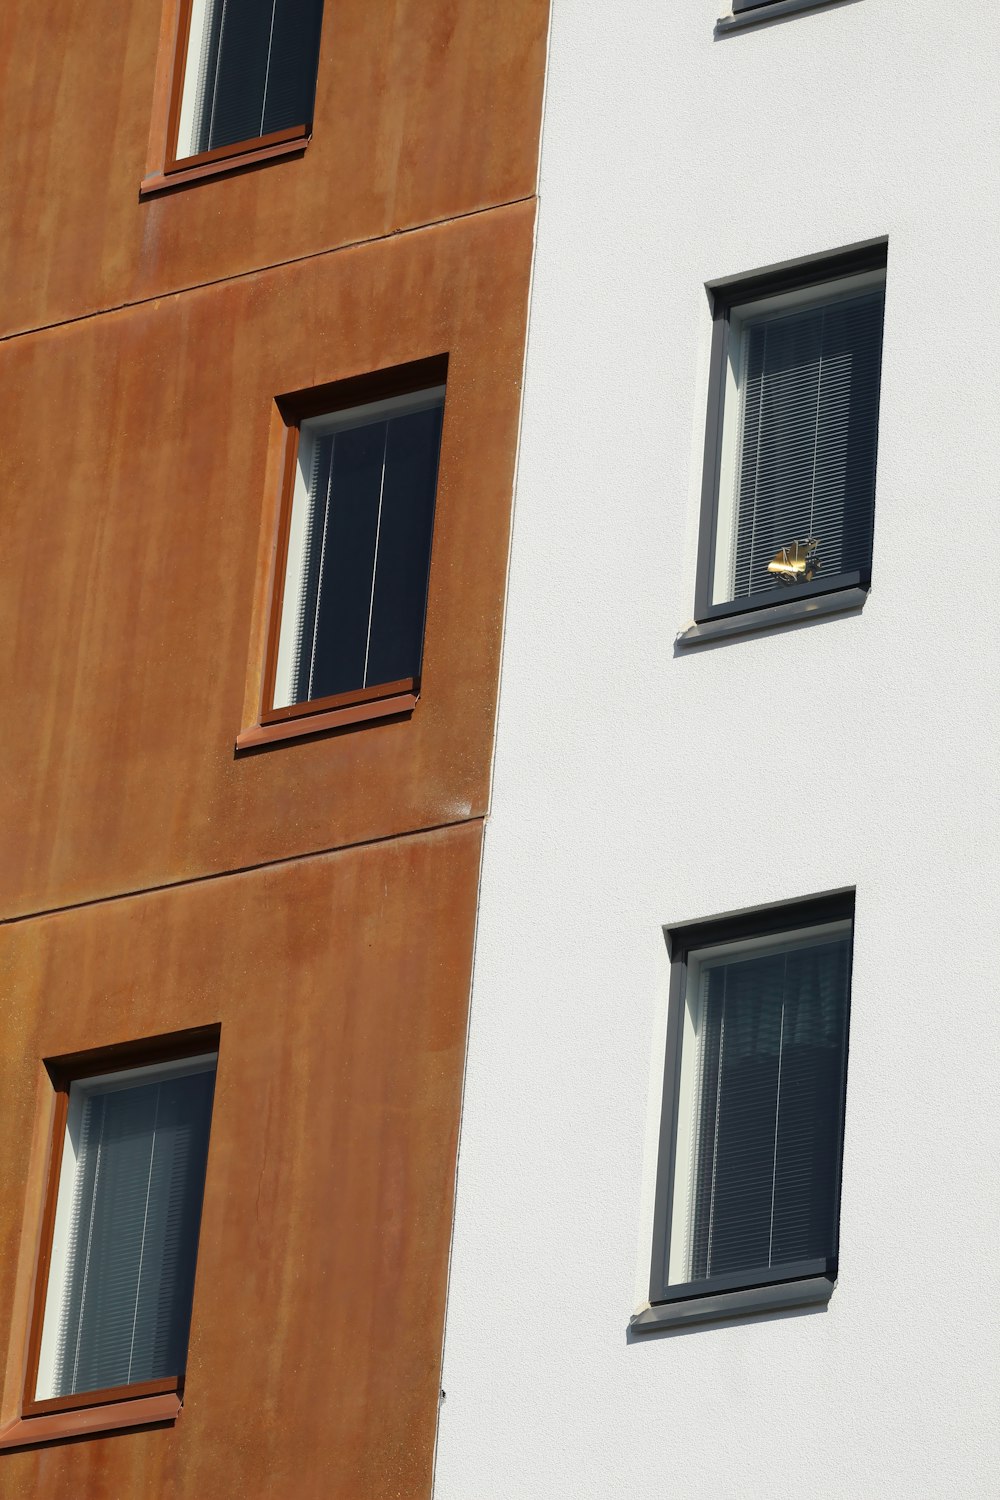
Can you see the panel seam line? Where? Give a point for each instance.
(249, 869)
(261, 270)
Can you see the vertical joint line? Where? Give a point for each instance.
(319, 571)
(378, 533)
(267, 70)
(756, 462)
(718, 1111)
(218, 70)
(777, 1108)
(145, 1218)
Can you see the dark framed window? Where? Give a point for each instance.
(244, 77)
(355, 530)
(119, 1243)
(746, 13)
(788, 497)
(748, 1187)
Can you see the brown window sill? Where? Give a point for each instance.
(288, 729)
(162, 182)
(114, 1417)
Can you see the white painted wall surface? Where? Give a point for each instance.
(635, 788)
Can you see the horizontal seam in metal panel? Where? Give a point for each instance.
(264, 864)
(293, 260)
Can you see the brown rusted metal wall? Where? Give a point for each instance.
(316, 898)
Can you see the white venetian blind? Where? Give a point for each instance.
(250, 70)
(128, 1271)
(807, 442)
(768, 1109)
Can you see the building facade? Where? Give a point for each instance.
(200, 874)
(605, 836)
(670, 766)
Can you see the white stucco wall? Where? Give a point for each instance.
(635, 788)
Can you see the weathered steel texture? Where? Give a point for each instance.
(341, 983)
(139, 474)
(425, 109)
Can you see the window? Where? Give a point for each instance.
(117, 1261)
(789, 491)
(749, 1175)
(245, 75)
(751, 12)
(355, 531)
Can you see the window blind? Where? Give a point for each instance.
(773, 1038)
(133, 1237)
(371, 515)
(808, 433)
(256, 69)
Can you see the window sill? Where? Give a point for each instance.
(337, 718)
(89, 1420)
(773, 10)
(794, 612)
(162, 182)
(810, 1292)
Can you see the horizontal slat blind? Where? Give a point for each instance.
(257, 69)
(367, 555)
(808, 434)
(768, 1129)
(134, 1233)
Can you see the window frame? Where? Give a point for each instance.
(381, 700)
(792, 1284)
(177, 170)
(113, 1405)
(746, 13)
(726, 297)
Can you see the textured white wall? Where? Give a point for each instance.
(635, 788)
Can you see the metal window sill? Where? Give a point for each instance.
(772, 617)
(88, 1421)
(780, 1296)
(234, 161)
(258, 735)
(772, 10)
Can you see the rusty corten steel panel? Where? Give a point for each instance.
(425, 109)
(137, 501)
(341, 984)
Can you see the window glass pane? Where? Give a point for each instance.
(359, 550)
(804, 453)
(400, 592)
(125, 1281)
(772, 1029)
(250, 70)
(345, 522)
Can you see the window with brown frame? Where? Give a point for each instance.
(354, 546)
(119, 1240)
(244, 78)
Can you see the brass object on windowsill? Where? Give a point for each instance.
(796, 563)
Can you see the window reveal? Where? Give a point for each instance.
(248, 72)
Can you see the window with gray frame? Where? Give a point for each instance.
(748, 1187)
(789, 487)
(750, 12)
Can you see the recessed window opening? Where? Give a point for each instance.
(762, 1068)
(748, 1185)
(124, 1243)
(797, 480)
(791, 439)
(249, 71)
(357, 562)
